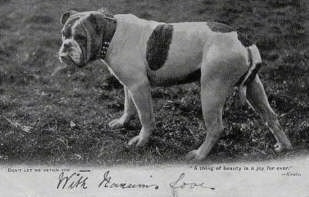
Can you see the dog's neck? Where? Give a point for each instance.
(109, 31)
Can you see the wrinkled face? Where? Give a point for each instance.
(79, 38)
(74, 43)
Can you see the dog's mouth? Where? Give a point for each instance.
(68, 60)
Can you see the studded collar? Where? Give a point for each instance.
(110, 29)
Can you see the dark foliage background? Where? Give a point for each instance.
(63, 118)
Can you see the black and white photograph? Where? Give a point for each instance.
(154, 98)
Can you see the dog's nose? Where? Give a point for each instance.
(62, 55)
(65, 58)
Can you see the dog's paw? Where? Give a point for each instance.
(279, 147)
(139, 140)
(194, 155)
(117, 123)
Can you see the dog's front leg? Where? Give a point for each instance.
(129, 111)
(141, 96)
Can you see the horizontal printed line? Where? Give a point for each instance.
(84, 170)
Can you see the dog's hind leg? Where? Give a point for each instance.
(257, 98)
(129, 112)
(213, 97)
(217, 78)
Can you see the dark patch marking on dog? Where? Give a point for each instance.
(220, 27)
(67, 31)
(223, 28)
(253, 73)
(157, 81)
(80, 38)
(93, 19)
(194, 76)
(158, 46)
(104, 29)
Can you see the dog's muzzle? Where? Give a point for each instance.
(66, 59)
(71, 54)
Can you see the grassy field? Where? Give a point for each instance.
(63, 118)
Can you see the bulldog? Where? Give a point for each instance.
(143, 53)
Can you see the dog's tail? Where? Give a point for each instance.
(255, 63)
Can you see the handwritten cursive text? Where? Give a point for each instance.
(75, 180)
(181, 184)
(107, 183)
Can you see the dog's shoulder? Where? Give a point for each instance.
(126, 17)
(132, 19)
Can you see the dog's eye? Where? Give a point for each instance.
(80, 37)
(66, 33)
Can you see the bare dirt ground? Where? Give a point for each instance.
(63, 118)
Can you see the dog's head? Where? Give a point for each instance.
(83, 36)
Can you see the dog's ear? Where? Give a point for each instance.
(67, 15)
